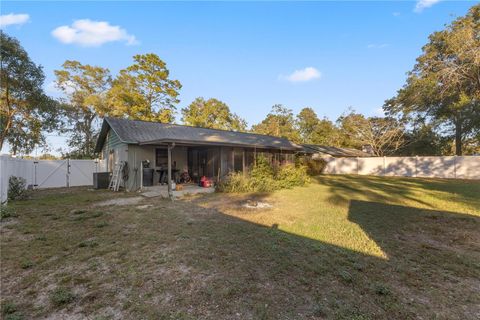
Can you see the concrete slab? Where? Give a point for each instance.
(162, 191)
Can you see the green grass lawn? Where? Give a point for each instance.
(344, 247)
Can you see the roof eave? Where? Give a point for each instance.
(214, 143)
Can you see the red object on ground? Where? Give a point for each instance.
(206, 182)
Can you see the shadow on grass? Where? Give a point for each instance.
(290, 276)
(395, 189)
(185, 261)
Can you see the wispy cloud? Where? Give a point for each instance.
(12, 19)
(396, 14)
(423, 4)
(377, 45)
(90, 33)
(302, 75)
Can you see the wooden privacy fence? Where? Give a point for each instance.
(47, 173)
(453, 167)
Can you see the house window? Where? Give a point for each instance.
(161, 157)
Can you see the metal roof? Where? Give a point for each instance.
(334, 151)
(145, 132)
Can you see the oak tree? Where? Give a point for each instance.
(212, 113)
(26, 112)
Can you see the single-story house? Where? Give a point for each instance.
(318, 151)
(198, 151)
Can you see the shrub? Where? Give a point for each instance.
(289, 176)
(7, 212)
(17, 188)
(314, 167)
(263, 178)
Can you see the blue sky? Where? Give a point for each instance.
(325, 55)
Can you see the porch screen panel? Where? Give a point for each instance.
(161, 157)
(249, 158)
(212, 162)
(238, 160)
(227, 160)
(193, 163)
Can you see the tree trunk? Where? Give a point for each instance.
(458, 137)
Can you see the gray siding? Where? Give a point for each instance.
(115, 146)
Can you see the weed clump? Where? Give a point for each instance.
(346, 276)
(382, 290)
(101, 224)
(88, 244)
(10, 311)
(27, 264)
(61, 296)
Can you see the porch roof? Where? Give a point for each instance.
(144, 132)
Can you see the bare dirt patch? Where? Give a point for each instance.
(129, 201)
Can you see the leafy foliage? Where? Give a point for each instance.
(144, 91)
(313, 130)
(262, 177)
(384, 136)
(25, 111)
(17, 188)
(85, 88)
(280, 122)
(444, 85)
(212, 113)
(314, 166)
(7, 212)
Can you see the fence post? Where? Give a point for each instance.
(68, 173)
(3, 179)
(357, 167)
(384, 166)
(35, 163)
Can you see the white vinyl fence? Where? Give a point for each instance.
(465, 167)
(48, 173)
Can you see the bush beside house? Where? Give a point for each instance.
(262, 177)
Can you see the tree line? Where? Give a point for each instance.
(436, 112)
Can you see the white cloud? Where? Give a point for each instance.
(12, 18)
(302, 75)
(377, 45)
(423, 4)
(90, 33)
(396, 14)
